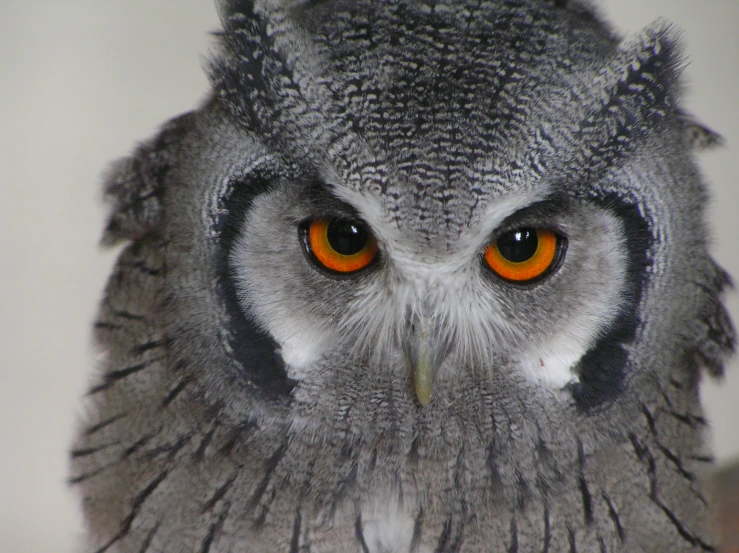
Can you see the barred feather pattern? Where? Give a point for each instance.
(433, 122)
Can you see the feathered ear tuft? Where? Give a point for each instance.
(135, 185)
(253, 71)
(247, 59)
(640, 86)
(236, 69)
(637, 90)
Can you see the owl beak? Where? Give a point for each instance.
(425, 350)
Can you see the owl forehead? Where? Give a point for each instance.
(436, 209)
(430, 116)
(454, 76)
(430, 88)
(443, 105)
(439, 89)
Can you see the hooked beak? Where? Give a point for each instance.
(425, 350)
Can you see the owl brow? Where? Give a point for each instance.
(540, 213)
(322, 202)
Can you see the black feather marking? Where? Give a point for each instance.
(674, 459)
(102, 325)
(587, 499)
(613, 514)
(650, 420)
(603, 370)
(373, 460)
(270, 467)
(295, 541)
(199, 454)
(138, 444)
(141, 267)
(237, 435)
(702, 458)
(122, 314)
(359, 533)
(693, 421)
(492, 464)
(87, 451)
(513, 547)
(149, 537)
(413, 456)
(445, 536)
(137, 504)
(687, 536)
(168, 449)
(572, 540)
(645, 456)
(152, 344)
(417, 530)
(87, 475)
(112, 377)
(213, 530)
(547, 530)
(219, 493)
(174, 392)
(254, 349)
(348, 481)
(102, 424)
(456, 544)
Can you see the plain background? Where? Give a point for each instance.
(80, 83)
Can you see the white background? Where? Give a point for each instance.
(80, 83)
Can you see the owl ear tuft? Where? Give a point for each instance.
(135, 185)
(642, 79)
(237, 69)
(253, 66)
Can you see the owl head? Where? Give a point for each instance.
(503, 199)
(405, 225)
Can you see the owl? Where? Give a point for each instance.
(417, 276)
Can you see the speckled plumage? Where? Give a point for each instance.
(250, 402)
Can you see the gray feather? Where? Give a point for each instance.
(250, 400)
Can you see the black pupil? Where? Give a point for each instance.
(346, 237)
(519, 245)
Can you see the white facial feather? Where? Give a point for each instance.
(551, 361)
(387, 527)
(450, 291)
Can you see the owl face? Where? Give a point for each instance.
(454, 191)
(414, 278)
(431, 291)
(500, 223)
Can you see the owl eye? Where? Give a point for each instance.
(523, 255)
(340, 245)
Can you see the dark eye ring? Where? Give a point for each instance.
(343, 246)
(525, 254)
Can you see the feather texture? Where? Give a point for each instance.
(251, 400)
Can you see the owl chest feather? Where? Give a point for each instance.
(458, 491)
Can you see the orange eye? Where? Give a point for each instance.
(340, 245)
(522, 254)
